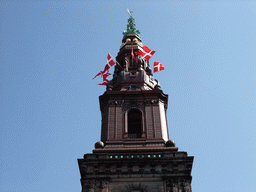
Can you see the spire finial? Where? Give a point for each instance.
(129, 12)
(131, 27)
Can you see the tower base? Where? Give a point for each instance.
(146, 171)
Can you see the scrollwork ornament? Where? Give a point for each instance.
(117, 102)
(87, 186)
(154, 101)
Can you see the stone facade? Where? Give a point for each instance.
(151, 172)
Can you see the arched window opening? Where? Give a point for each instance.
(134, 123)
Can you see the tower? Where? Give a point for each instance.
(135, 153)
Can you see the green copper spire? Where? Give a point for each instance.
(131, 27)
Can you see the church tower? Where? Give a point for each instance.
(135, 153)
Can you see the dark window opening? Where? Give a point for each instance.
(133, 87)
(134, 123)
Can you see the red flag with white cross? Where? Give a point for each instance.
(146, 53)
(158, 66)
(110, 63)
(100, 73)
(104, 83)
(133, 54)
(104, 76)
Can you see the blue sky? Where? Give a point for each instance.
(49, 106)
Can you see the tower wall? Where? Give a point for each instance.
(114, 108)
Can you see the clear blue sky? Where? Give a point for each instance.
(49, 106)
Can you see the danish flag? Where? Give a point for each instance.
(110, 63)
(133, 54)
(100, 73)
(146, 53)
(104, 76)
(104, 83)
(158, 66)
(105, 73)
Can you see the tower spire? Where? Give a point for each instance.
(131, 26)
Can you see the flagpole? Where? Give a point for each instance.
(119, 65)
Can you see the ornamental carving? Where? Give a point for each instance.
(148, 71)
(181, 167)
(116, 102)
(83, 167)
(143, 62)
(186, 184)
(187, 187)
(93, 185)
(152, 101)
(87, 186)
(127, 63)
